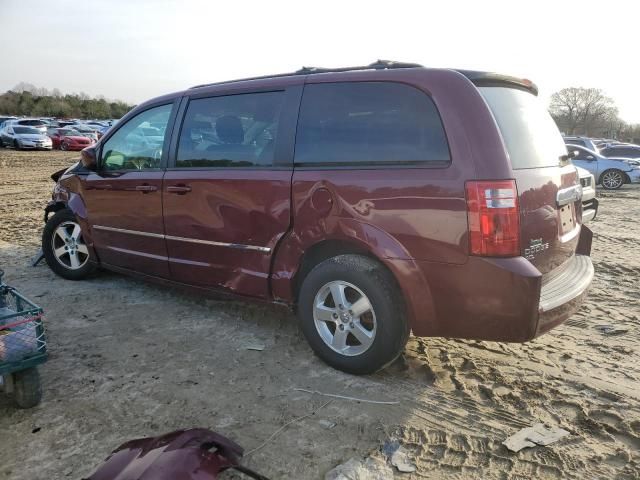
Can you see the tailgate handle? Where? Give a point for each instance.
(569, 195)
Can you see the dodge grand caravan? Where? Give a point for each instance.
(376, 200)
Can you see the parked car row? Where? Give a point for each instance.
(612, 165)
(47, 134)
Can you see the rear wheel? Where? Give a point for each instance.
(612, 179)
(27, 391)
(353, 314)
(64, 248)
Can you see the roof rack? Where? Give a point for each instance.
(377, 65)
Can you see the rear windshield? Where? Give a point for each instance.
(531, 136)
(35, 123)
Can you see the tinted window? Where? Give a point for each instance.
(230, 131)
(574, 141)
(368, 123)
(531, 136)
(130, 149)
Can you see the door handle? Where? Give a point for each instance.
(146, 188)
(179, 189)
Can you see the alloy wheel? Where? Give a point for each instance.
(69, 248)
(612, 179)
(344, 318)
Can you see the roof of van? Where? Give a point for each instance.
(479, 78)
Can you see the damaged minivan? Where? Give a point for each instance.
(376, 201)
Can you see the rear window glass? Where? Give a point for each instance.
(368, 123)
(531, 136)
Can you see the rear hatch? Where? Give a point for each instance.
(548, 186)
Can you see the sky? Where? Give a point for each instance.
(133, 50)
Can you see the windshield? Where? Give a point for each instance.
(35, 123)
(26, 130)
(531, 136)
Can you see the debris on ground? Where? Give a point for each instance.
(256, 346)
(611, 330)
(535, 435)
(327, 424)
(398, 456)
(361, 469)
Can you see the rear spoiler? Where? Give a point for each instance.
(488, 79)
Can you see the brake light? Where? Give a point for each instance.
(493, 214)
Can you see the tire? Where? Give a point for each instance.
(383, 328)
(612, 179)
(62, 242)
(16, 145)
(63, 146)
(27, 391)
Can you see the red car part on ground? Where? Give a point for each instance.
(195, 454)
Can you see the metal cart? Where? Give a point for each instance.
(22, 346)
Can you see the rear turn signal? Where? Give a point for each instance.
(493, 214)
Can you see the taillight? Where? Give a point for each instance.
(493, 213)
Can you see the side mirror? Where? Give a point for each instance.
(88, 158)
(590, 157)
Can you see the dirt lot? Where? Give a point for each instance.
(130, 359)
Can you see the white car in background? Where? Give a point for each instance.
(589, 200)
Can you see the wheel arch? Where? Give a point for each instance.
(295, 258)
(624, 174)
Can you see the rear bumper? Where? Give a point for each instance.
(499, 299)
(562, 294)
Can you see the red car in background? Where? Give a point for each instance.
(68, 139)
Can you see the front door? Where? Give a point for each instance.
(227, 195)
(124, 197)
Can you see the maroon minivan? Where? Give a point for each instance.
(376, 200)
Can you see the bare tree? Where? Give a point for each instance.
(583, 110)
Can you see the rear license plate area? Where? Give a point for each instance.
(567, 218)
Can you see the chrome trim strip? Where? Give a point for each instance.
(132, 232)
(185, 239)
(219, 244)
(569, 195)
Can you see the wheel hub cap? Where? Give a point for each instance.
(68, 246)
(344, 318)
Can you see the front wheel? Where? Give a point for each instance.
(612, 179)
(16, 144)
(352, 314)
(64, 248)
(63, 146)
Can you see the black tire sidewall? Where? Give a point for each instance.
(61, 216)
(27, 391)
(378, 285)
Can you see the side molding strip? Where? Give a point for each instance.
(238, 246)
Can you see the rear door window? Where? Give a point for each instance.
(530, 135)
(369, 123)
(230, 131)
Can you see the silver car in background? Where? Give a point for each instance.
(20, 138)
(611, 173)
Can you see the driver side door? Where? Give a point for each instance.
(124, 196)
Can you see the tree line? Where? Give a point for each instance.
(577, 111)
(589, 112)
(29, 100)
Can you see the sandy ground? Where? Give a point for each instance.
(130, 359)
